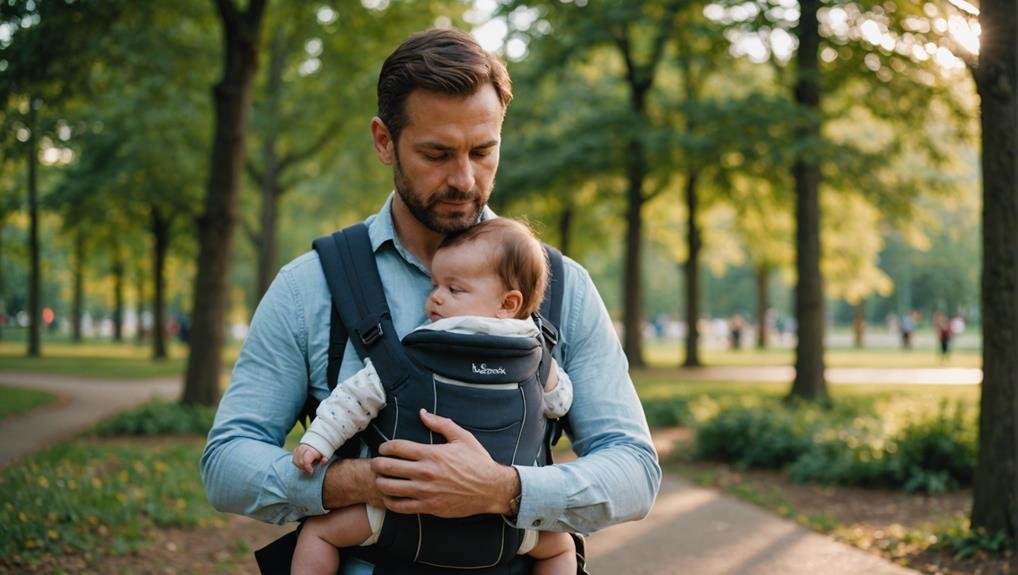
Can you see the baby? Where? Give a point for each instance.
(486, 280)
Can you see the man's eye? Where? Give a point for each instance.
(435, 157)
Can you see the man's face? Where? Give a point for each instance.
(445, 161)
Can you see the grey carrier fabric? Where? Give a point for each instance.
(500, 403)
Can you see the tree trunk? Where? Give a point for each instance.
(763, 276)
(232, 99)
(858, 324)
(3, 291)
(35, 273)
(79, 286)
(269, 185)
(160, 245)
(809, 381)
(692, 269)
(632, 319)
(139, 334)
(565, 225)
(118, 295)
(994, 487)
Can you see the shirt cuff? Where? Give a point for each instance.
(305, 491)
(540, 497)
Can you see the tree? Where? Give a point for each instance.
(995, 492)
(232, 100)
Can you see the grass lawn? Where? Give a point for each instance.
(100, 359)
(17, 400)
(662, 355)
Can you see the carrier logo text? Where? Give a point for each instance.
(485, 370)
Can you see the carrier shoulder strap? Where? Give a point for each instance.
(551, 305)
(358, 301)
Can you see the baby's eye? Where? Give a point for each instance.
(453, 289)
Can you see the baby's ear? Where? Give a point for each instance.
(512, 302)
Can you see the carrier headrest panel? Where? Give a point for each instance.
(480, 359)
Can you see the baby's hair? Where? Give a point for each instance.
(519, 259)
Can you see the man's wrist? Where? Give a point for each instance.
(510, 500)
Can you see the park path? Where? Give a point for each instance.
(83, 402)
(691, 530)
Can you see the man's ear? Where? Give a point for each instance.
(512, 301)
(385, 147)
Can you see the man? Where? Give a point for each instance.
(441, 102)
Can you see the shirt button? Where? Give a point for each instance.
(536, 523)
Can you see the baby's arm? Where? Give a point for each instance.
(352, 405)
(558, 392)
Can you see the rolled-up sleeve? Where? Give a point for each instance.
(616, 476)
(244, 466)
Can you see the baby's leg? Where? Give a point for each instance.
(555, 554)
(317, 546)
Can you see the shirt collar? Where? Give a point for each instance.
(382, 230)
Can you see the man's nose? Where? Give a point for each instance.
(461, 176)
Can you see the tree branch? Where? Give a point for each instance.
(297, 157)
(253, 171)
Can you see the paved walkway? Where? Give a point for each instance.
(84, 401)
(843, 375)
(691, 530)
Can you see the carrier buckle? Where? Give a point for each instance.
(373, 334)
(547, 330)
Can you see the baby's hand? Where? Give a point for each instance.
(306, 457)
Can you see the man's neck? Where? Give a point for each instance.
(419, 240)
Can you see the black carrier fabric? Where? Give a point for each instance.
(490, 385)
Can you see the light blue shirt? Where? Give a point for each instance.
(247, 471)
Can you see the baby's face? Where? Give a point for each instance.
(463, 282)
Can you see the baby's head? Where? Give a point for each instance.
(494, 269)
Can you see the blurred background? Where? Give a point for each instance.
(756, 199)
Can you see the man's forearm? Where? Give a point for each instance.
(350, 482)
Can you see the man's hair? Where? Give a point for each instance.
(440, 60)
(519, 259)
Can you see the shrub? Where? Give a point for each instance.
(159, 418)
(769, 436)
(936, 453)
(668, 412)
(851, 455)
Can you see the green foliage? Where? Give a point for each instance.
(848, 445)
(17, 400)
(93, 499)
(160, 418)
(668, 412)
(937, 453)
(755, 436)
(965, 542)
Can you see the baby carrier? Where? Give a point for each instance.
(489, 385)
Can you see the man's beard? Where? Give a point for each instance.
(425, 211)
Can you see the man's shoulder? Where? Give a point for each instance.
(575, 276)
(304, 265)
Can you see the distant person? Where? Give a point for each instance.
(944, 333)
(907, 326)
(183, 329)
(736, 326)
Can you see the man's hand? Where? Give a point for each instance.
(455, 479)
